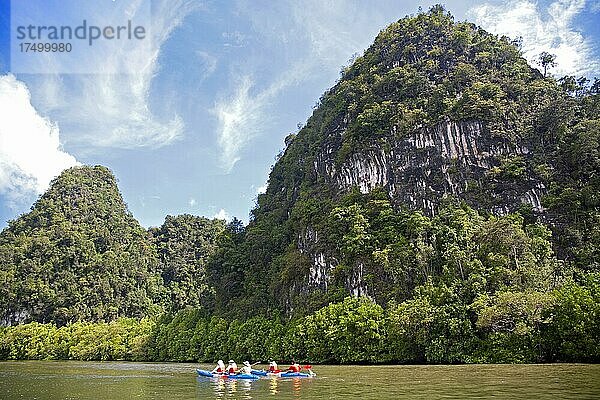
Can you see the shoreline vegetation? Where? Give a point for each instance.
(525, 327)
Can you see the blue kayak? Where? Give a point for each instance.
(282, 374)
(209, 374)
(260, 372)
(242, 376)
(295, 375)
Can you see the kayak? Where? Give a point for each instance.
(282, 374)
(209, 374)
(242, 376)
(295, 375)
(260, 372)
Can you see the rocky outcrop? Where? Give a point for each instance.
(320, 272)
(459, 159)
(449, 159)
(322, 265)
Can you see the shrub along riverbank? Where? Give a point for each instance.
(561, 325)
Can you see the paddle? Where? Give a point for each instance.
(309, 370)
(252, 365)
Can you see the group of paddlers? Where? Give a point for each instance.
(232, 368)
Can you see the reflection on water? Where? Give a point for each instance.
(219, 387)
(273, 385)
(45, 380)
(229, 388)
(243, 389)
(297, 383)
(224, 388)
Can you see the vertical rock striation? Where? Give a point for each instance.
(449, 159)
(460, 159)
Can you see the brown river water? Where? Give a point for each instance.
(120, 380)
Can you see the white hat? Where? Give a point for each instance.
(231, 361)
(247, 363)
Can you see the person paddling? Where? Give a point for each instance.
(246, 369)
(295, 367)
(273, 367)
(232, 367)
(220, 368)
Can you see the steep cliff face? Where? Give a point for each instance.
(451, 158)
(435, 113)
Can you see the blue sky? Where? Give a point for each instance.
(193, 122)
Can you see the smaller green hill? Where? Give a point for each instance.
(80, 255)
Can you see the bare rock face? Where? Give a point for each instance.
(324, 262)
(322, 265)
(457, 159)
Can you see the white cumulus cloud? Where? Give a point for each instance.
(222, 214)
(550, 29)
(30, 149)
(113, 109)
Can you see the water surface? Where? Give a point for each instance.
(119, 380)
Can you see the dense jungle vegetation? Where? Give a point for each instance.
(81, 279)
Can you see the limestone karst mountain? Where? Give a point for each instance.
(79, 254)
(440, 162)
(438, 127)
